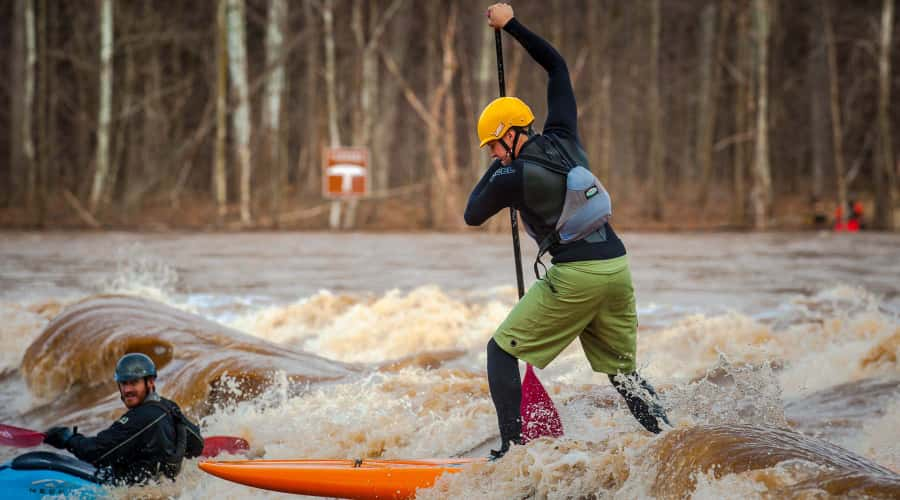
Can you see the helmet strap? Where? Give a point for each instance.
(515, 141)
(508, 150)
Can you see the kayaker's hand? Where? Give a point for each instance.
(58, 437)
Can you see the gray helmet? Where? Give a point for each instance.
(134, 365)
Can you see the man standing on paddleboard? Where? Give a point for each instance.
(587, 293)
(148, 442)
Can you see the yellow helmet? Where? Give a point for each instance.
(500, 115)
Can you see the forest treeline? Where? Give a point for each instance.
(220, 109)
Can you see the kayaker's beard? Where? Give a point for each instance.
(135, 395)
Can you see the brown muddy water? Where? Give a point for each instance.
(776, 355)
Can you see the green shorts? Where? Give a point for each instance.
(594, 301)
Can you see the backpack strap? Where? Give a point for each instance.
(559, 169)
(553, 237)
(562, 151)
(172, 467)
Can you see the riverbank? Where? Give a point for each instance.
(405, 211)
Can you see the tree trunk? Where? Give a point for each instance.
(310, 168)
(275, 84)
(219, 177)
(367, 48)
(604, 75)
(885, 178)
(18, 111)
(241, 118)
(706, 119)
(761, 193)
(742, 104)
(654, 113)
(837, 131)
(122, 130)
(386, 134)
(27, 140)
(440, 141)
(484, 77)
(597, 119)
(104, 113)
(451, 198)
(44, 114)
(334, 133)
(817, 73)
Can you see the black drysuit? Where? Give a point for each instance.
(141, 445)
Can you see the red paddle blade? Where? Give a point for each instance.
(18, 437)
(214, 445)
(539, 416)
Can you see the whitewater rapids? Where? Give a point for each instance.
(776, 356)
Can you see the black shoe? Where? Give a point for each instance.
(504, 447)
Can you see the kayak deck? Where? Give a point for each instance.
(360, 479)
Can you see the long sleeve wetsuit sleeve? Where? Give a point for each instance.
(562, 109)
(499, 187)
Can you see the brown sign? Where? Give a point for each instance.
(346, 172)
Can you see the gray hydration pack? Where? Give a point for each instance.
(586, 209)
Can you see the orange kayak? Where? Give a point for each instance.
(362, 479)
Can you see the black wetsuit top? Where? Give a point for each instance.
(503, 186)
(137, 447)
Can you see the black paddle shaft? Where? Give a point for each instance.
(513, 217)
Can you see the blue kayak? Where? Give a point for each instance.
(42, 473)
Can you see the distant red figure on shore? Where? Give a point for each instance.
(853, 223)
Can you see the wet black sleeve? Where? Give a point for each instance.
(498, 188)
(562, 111)
(119, 439)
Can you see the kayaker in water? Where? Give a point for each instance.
(147, 443)
(587, 293)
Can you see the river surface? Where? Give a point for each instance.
(775, 354)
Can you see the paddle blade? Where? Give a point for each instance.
(215, 445)
(539, 416)
(18, 437)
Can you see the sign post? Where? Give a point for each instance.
(345, 176)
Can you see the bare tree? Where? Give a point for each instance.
(27, 140)
(275, 84)
(761, 194)
(837, 131)
(439, 138)
(334, 133)
(817, 72)
(367, 42)
(45, 110)
(654, 114)
(604, 75)
(18, 111)
(706, 112)
(386, 134)
(219, 177)
(885, 178)
(743, 102)
(104, 112)
(241, 118)
(483, 81)
(309, 168)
